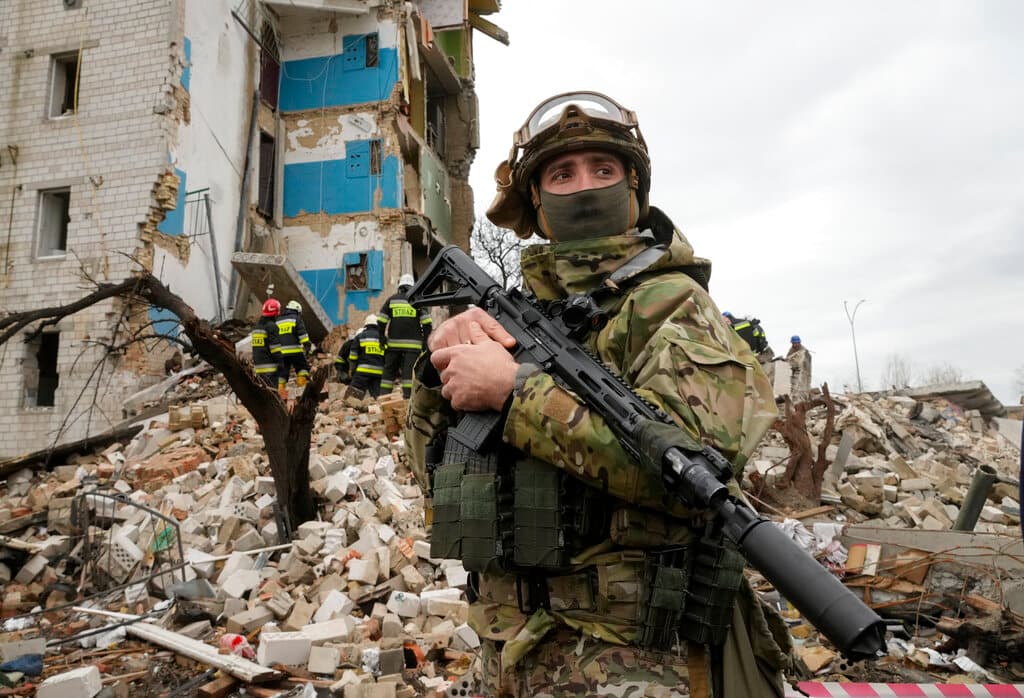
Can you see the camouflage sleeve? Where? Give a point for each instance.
(669, 342)
(428, 414)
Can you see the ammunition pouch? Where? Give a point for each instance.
(446, 531)
(478, 495)
(555, 516)
(716, 573)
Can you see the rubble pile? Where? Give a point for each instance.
(142, 566)
(161, 565)
(899, 471)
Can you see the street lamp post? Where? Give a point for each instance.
(851, 317)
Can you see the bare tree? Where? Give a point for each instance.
(497, 251)
(942, 373)
(1018, 379)
(286, 429)
(805, 470)
(897, 372)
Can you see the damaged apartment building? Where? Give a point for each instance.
(319, 148)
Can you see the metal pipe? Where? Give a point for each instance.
(984, 478)
(216, 262)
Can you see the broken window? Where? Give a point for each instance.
(41, 377)
(53, 219)
(376, 156)
(270, 66)
(436, 124)
(372, 57)
(360, 51)
(355, 272)
(267, 178)
(63, 84)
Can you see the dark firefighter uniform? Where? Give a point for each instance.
(341, 364)
(406, 330)
(366, 360)
(292, 340)
(752, 333)
(265, 350)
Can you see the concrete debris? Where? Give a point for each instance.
(353, 604)
(898, 474)
(352, 601)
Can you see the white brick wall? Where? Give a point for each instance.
(116, 142)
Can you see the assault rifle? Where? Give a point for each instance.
(696, 475)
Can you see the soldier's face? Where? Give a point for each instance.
(580, 171)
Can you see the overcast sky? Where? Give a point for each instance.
(815, 152)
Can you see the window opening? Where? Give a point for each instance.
(376, 156)
(41, 377)
(270, 66)
(267, 175)
(372, 50)
(436, 125)
(63, 84)
(54, 216)
(355, 275)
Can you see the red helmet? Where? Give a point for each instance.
(271, 308)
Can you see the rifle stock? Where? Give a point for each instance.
(697, 476)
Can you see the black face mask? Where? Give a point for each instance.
(587, 214)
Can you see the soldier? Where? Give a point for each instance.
(405, 329)
(366, 358)
(566, 601)
(265, 348)
(293, 345)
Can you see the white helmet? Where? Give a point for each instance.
(371, 320)
(406, 280)
(294, 305)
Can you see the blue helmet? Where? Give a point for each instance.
(727, 314)
(795, 339)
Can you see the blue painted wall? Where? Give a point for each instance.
(338, 80)
(186, 74)
(164, 322)
(328, 284)
(341, 186)
(174, 222)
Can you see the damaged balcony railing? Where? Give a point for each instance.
(116, 545)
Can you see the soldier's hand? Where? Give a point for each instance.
(476, 376)
(470, 327)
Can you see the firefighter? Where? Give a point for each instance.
(406, 330)
(341, 364)
(265, 348)
(750, 330)
(366, 358)
(293, 343)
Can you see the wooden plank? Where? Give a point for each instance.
(23, 522)
(824, 509)
(247, 671)
(218, 688)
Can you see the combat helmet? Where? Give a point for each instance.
(564, 123)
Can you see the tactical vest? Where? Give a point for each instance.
(502, 512)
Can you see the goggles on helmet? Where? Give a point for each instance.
(546, 120)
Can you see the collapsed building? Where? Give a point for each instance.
(317, 148)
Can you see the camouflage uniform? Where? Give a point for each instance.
(667, 339)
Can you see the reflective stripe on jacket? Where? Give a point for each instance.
(404, 326)
(366, 353)
(291, 332)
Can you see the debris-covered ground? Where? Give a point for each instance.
(156, 566)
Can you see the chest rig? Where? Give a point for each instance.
(502, 512)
